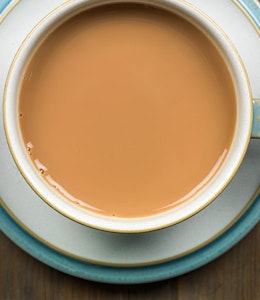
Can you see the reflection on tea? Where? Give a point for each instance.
(127, 110)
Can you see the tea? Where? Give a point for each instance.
(127, 110)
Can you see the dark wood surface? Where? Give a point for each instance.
(234, 275)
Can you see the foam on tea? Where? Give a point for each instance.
(127, 110)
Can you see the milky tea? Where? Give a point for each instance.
(127, 110)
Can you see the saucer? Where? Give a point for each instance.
(121, 258)
(119, 275)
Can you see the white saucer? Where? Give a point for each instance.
(83, 243)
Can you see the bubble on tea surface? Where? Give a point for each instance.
(40, 166)
(29, 147)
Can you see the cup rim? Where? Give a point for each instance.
(116, 224)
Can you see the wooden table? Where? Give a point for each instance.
(234, 275)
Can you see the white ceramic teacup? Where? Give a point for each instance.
(247, 123)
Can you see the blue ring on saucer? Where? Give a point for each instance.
(4, 4)
(119, 275)
(252, 8)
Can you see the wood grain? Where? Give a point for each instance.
(234, 275)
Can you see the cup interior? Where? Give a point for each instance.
(139, 224)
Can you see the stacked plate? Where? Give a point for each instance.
(131, 258)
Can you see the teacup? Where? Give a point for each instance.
(141, 184)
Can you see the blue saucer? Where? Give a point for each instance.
(131, 275)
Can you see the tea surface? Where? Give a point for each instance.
(127, 110)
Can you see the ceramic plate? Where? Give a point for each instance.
(138, 274)
(120, 258)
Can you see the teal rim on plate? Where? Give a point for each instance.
(3, 4)
(133, 275)
(118, 275)
(252, 8)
